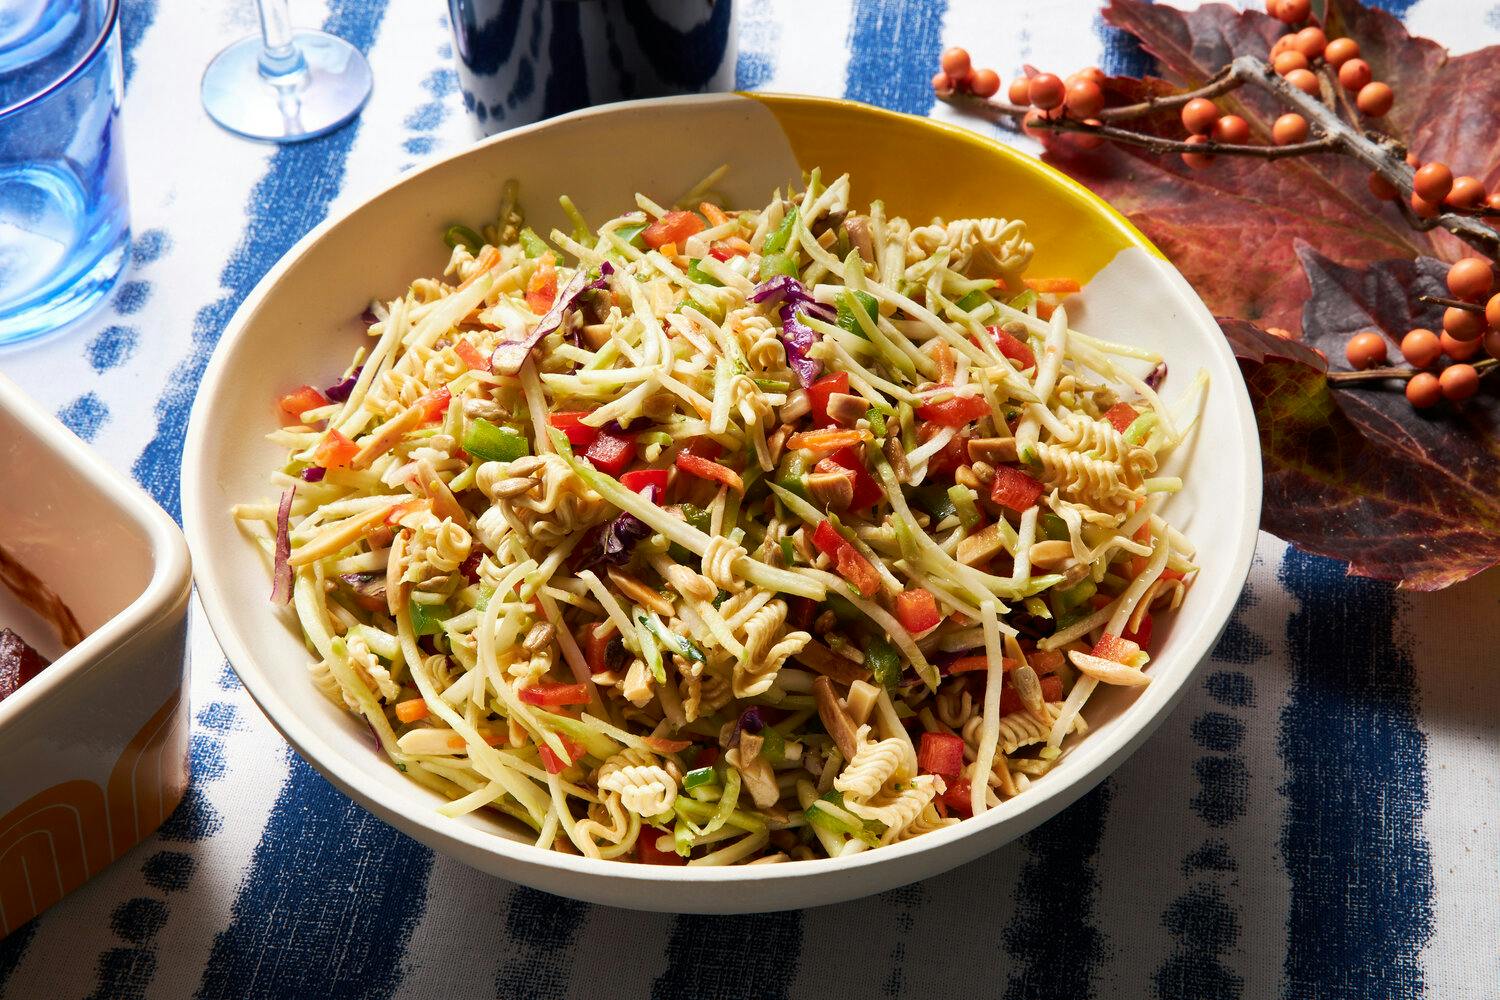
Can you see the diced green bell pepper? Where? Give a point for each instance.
(483, 439)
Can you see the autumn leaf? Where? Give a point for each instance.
(1230, 228)
(1357, 473)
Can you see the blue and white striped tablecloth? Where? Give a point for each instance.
(1317, 819)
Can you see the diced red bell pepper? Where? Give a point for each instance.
(705, 468)
(435, 404)
(958, 798)
(1121, 416)
(578, 433)
(1141, 636)
(1114, 647)
(917, 611)
(541, 288)
(706, 757)
(471, 357)
(955, 412)
(640, 480)
(549, 695)
(851, 565)
(704, 447)
(867, 492)
(674, 227)
(734, 246)
(1016, 350)
(1010, 700)
(596, 640)
(953, 454)
(646, 850)
(818, 393)
(941, 754)
(335, 450)
(554, 763)
(803, 610)
(1045, 661)
(610, 453)
(300, 400)
(1014, 489)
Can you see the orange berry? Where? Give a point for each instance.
(1467, 193)
(1020, 91)
(1199, 115)
(1425, 209)
(1292, 11)
(1471, 279)
(942, 83)
(1423, 390)
(1231, 128)
(1458, 382)
(1462, 324)
(1433, 181)
(1412, 160)
(1493, 201)
(1458, 350)
(1365, 350)
(1197, 160)
(1354, 74)
(1340, 51)
(1087, 141)
(1289, 129)
(1305, 81)
(1093, 73)
(1492, 343)
(1281, 45)
(955, 62)
(1311, 42)
(1289, 60)
(984, 82)
(1374, 99)
(1047, 91)
(1421, 348)
(1029, 123)
(1382, 188)
(1492, 311)
(1085, 99)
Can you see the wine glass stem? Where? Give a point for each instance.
(279, 57)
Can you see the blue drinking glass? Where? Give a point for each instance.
(64, 213)
(285, 85)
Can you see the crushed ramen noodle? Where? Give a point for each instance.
(721, 535)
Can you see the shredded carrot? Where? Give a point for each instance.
(825, 440)
(411, 711)
(970, 664)
(1055, 286)
(487, 259)
(713, 213)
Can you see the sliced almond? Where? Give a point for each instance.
(846, 408)
(828, 663)
(1051, 554)
(639, 592)
(837, 721)
(1107, 671)
(830, 490)
(981, 546)
(995, 450)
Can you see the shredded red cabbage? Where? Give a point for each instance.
(314, 474)
(509, 356)
(339, 392)
(281, 575)
(796, 336)
(1157, 376)
(613, 541)
(365, 584)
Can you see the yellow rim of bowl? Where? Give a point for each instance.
(842, 135)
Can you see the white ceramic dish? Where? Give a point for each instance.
(93, 751)
(301, 324)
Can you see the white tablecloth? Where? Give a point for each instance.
(1317, 819)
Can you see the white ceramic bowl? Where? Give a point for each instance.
(301, 324)
(93, 751)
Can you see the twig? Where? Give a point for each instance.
(1440, 300)
(1384, 374)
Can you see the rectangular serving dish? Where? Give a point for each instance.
(93, 751)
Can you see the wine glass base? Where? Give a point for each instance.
(325, 93)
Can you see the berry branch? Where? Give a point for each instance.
(1328, 93)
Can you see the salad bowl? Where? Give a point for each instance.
(303, 321)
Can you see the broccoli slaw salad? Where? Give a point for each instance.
(716, 535)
